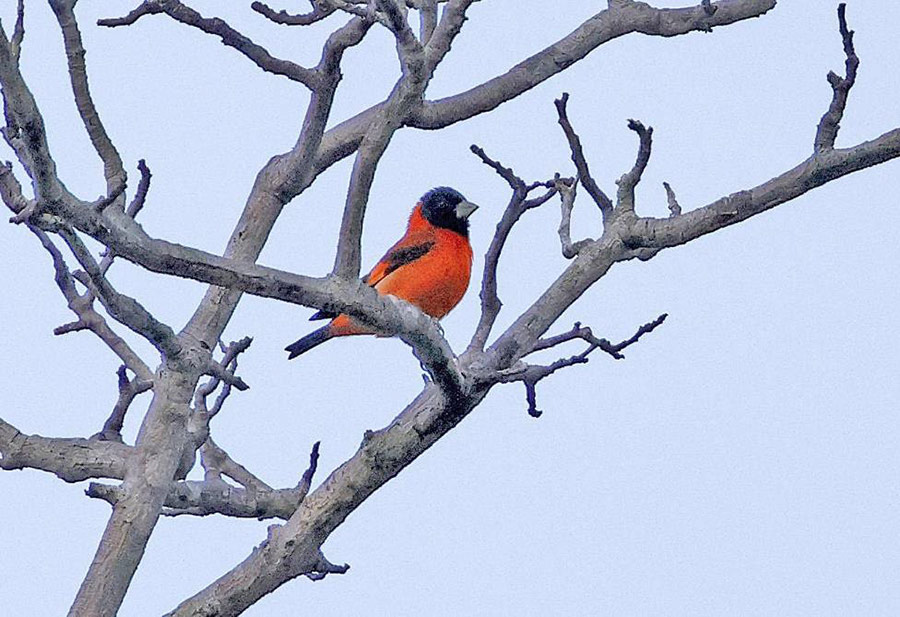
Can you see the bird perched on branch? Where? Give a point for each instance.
(429, 266)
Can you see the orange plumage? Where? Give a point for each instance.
(429, 266)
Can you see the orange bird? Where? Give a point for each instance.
(429, 266)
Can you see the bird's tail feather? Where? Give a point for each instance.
(316, 337)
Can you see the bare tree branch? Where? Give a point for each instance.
(531, 374)
(674, 207)
(124, 309)
(214, 496)
(70, 459)
(215, 458)
(452, 18)
(629, 180)
(584, 175)
(140, 195)
(409, 49)
(15, 43)
(24, 130)
(811, 173)
(218, 27)
(203, 498)
(585, 334)
(296, 544)
(88, 318)
(517, 206)
(566, 189)
(830, 123)
(428, 13)
(113, 170)
(287, 19)
(406, 94)
(602, 27)
(223, 372)
(128, 390)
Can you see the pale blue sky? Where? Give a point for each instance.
(742, 460)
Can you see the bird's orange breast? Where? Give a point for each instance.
(437, 281)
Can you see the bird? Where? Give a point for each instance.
(429, 266)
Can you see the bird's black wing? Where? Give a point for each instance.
(396, 257)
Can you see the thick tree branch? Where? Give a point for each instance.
(407, 93)
(811, 173)
(71, 459)
(296, 545)
(409, 49)
(452, 18)
(428, 14)
(203, 498)
(24, 130)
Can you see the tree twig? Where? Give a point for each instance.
(128, 390)
(567, 189)
(584, 174)
(282, 17)
(629, 180)
(827, 131)
(672, 201)
(113, 170)
(88, 318)
(517, 206)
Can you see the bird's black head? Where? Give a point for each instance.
(447, 208)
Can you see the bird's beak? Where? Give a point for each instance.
(464, 209)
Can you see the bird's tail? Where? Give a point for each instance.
(314, 338)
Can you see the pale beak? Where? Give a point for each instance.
(464, 209)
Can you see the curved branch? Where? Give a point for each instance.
(113, 170)
(584, 174)
(602, 27)
(288, 19)
(218, 27)
(517, 206)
